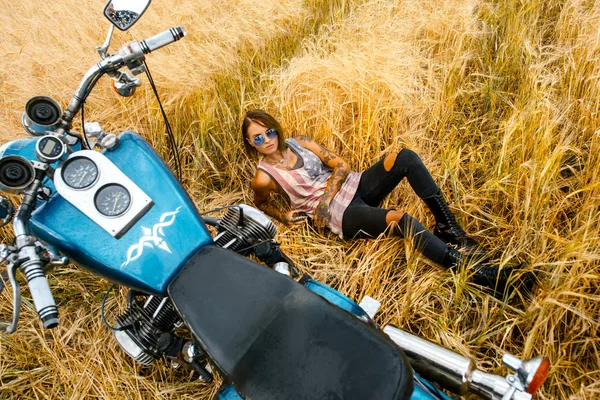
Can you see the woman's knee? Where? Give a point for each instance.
(404, 157)
(408, 158)
(393, 217)
(389, 161)
(409, 155)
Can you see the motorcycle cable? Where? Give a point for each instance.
(174, 149)
(83, 138)
(219, 209)
(253, 246)
(84, 142)
(113, 328)
(79, 138)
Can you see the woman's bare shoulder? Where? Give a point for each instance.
(262, 181)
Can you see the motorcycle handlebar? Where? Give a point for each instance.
(162, 39)
(134, 53)
(41, 294)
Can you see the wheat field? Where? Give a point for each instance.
(499, 97)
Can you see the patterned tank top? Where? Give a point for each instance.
(305, 185)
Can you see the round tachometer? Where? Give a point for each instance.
(80, 173)
(112, 200)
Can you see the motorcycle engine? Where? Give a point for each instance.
(243, 227)
(145, 329)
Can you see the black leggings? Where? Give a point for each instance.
(363, 217)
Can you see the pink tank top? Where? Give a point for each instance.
(305, 185)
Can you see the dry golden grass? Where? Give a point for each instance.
(500, 98)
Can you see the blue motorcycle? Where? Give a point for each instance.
(110, 204)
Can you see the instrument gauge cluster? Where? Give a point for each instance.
(49, 149)
(99, 189)
(80, 172)
(112, 200)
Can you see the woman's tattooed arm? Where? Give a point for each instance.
(273, 211)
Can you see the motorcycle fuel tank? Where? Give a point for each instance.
(150, 252)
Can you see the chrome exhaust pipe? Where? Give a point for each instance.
(460, 375)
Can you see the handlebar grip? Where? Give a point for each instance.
(41, 294)
(162, 39)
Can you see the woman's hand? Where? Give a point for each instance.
(321, 216)
(293, 219)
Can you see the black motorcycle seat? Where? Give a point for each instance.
(275, 339)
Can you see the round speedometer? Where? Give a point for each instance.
(80, 173)
(112, 200)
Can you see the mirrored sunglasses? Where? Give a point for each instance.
(260, 139)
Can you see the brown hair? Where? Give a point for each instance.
(264, 119)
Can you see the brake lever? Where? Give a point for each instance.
(12, 327)
(3, 278)
(4, 253)
(7, 254)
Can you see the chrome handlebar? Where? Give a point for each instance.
(28, 259)
(25, 255)
(131, 55)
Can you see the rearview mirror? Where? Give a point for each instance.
(124, 13)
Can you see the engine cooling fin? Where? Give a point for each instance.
(147, 323)
(243, 227)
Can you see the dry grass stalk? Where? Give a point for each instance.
(500, 98)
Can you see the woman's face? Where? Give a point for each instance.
(269, 146)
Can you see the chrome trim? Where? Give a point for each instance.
(25, 245)
(259, 217)
(150, 298)
(232, 241)
(451, 370)
(282, 268)
(84, 199)
(131, 348)
(43, 157)
(370, 306)
(32, 127)
(4, 187)
(441, 365)
(160, 307)
(103, 50)
(16, 289)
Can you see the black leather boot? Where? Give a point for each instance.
(501, 281)
(448, 229)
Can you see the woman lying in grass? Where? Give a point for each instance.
(320, 185)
